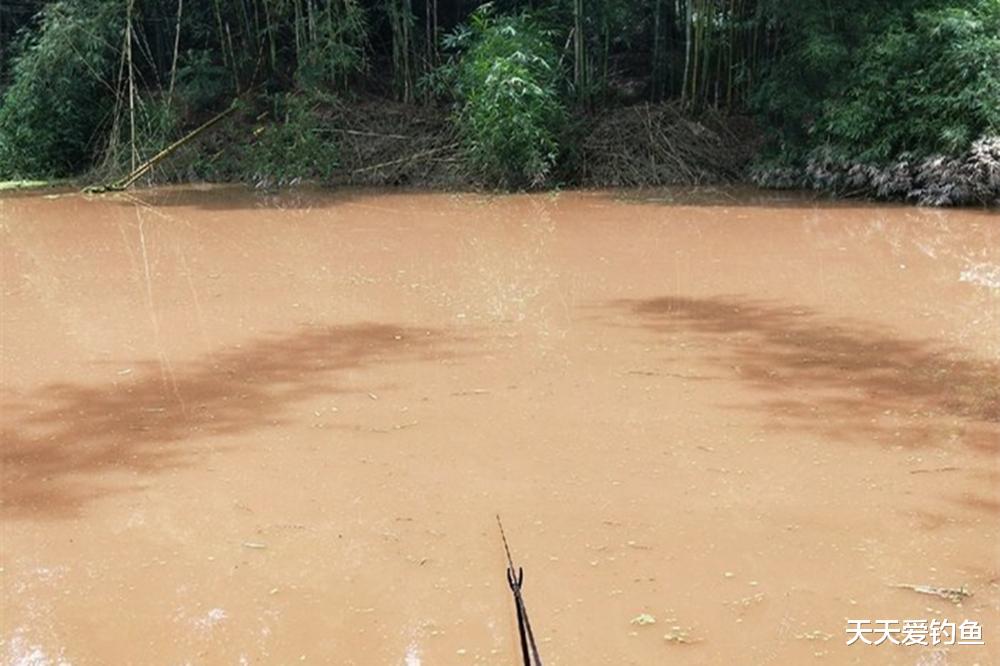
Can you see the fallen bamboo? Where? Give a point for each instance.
(408, 158)
(375, 134)
(142, 169)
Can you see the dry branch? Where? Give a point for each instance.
(660, 144)
(388, 143)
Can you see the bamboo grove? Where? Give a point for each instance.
(814, 74)
(703, 51)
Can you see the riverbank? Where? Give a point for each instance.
(379, 142)
(886, 102)
(376, 142)
(969, 179)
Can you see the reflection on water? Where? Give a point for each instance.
(839, 377)
(276, 428)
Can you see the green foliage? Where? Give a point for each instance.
(873, 81)
(819, 37)
(201, 82)
(926, 86)
(511, 114)
(60, 95)
(293, 148)
(834, 84)
(336, 51)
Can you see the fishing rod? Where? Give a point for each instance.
(515, 578)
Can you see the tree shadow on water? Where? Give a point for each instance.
(846, 379)
(58, 442)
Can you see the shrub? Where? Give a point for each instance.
(291, 149)
(202, 83)
(928, 85)
(61, 95)
(508, 86)
(869, 80)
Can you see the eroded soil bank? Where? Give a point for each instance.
(249, 429)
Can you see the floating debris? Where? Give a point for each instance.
(814, 635)
(398, 426)
(679, 635)
(952, 594)
(643, 619)
(746, 602)
(254, 545)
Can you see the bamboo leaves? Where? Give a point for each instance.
(511, 114)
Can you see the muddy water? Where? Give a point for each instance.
(249, 429)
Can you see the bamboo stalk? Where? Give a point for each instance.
(579, 52)
(142, 169)
(688, 18)
(177, 46)
(408, 158)
(657, 48)
(131, 82)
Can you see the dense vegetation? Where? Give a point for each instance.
(507, 80)
(888, 97)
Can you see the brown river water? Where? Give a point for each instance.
(242, 428)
